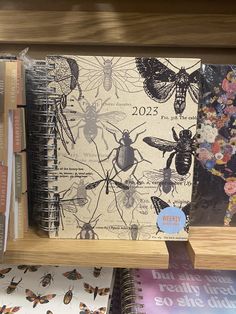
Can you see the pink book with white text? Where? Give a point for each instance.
(178, 290)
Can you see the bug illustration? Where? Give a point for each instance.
(127, 199)
(97, 271)
(92, 119)
(26, 268)
(183, 148)
(68, 296)
(49, 312)
(135, 231)
(165, 179)
(79, 197)
(87, 229)
(73, 275)
(38, 299)
(96, 291)
(9, 310)
(125, 154)
(85, 310)
(46, 280)
(12, 285)
(160, 82)
(66, 74)
(108, 72)
(108, 181)
(159, 204)
(4, 271)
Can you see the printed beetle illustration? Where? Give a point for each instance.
(125, 154)
(87, 230)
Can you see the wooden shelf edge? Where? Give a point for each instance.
(106, 253)
(117, 28)
(212, 247)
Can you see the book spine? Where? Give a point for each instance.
(131, 292)
(42, 148)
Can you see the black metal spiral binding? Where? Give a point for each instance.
(131, 292)
(42, 148)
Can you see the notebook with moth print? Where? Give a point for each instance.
(55, 290)
(112, 146)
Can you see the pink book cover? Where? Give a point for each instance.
(183, 290)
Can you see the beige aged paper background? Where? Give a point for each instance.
(101, 211)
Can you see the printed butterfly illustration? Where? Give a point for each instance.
(85, 310)
(73, 275)
(26, 268)
(4, 271)
(9, 310)
(38, 299)
(96, 291)
(159, 204)
(161, 82)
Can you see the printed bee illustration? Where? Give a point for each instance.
(38, 299)
(108, 72)
(72, 275)
(26, 268)
(159, 204)
(68, 296)
(165, 179)
(46, 280)
(97, 271)
(127, 199)
(93, 119)
(4, 271)
(9, 310)
(183, 148)
(13, 285)
(49, 312)
(85, 310)
(161, 81)
(96, 291)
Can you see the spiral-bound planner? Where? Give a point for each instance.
(111, 146)
(177, 291)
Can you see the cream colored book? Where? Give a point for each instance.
(121, 145)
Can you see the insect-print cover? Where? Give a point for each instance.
(125, 132)
(214, 201)
(61, 296)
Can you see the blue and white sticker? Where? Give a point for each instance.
(171, 220)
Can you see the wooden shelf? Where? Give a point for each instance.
(34, 249)
(108, 28)
(113, 23)
(212, 247)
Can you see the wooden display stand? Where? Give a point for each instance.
(202, 29)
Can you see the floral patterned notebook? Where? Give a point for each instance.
(215, 192)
